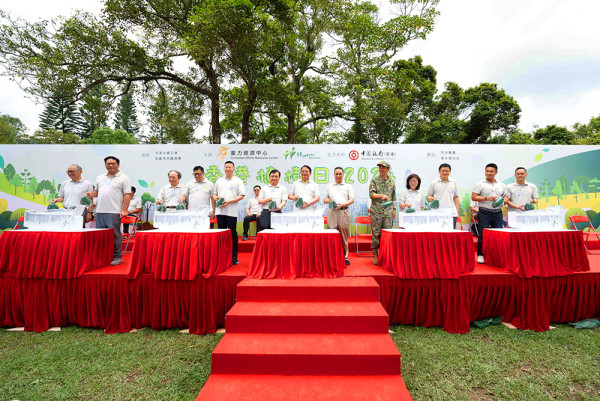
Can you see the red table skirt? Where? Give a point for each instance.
(53, 254)
(426, 255)
(536, 254)
(291, 255)
(181, 255)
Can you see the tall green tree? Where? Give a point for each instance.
(126, 114)
(109, 136)
(61, 114)
(95, 108)
(12, 130)
(171, 115)
(588, 134)
(365, 48)
(53, 136)
(554, 135)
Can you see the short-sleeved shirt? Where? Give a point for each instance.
(444, 192)
(229, 188)
(135, 203)
(170, 195)
(111, 191)
(199, 193)
(485, 188)
(72, 192)
(521, 194)
(383, 187)
(307, 191)
(415, 198)
(278, 193)
(339, 193)
(253, 206)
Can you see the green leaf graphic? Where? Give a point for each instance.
(143, 183)
(1, 162)
(152, 184)
(538, 158)
(546, 150)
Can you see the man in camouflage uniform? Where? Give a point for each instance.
(381, 189)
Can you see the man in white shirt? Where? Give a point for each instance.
(114, 194)
(172, 193)
(72, 190)
(231, 189)
(339, 218)
(306, 189)
(486, 192)
(253, 210)
(521, 192)
(134, 209)
(199, 192)
(272, 192)
(445, 190)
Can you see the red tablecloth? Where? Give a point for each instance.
(426, 255)
(180, 255)
(291, 255)
(54, 254)
(535, 253)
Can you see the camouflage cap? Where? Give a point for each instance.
(383, 163)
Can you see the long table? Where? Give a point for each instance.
(287, 255)
(180, 255)
(55, 254)
(426, 254)
(535, 253)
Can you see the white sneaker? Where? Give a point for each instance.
(116, 261)
(480, 259)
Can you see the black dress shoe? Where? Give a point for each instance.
(234, 261)
(347, 262)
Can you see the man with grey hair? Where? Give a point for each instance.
(72, 190)
(172, 193)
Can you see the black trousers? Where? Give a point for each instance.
(247, 220)
(487, 218)
(230, 223)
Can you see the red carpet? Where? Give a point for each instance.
(306, 339)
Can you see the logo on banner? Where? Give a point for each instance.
(290, 154)
(222, 152)
(354, 155)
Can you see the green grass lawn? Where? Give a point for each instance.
(492, 363)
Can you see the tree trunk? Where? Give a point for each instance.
(215, 123)
(291, 131)
(248, 113)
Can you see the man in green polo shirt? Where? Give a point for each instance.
(381, 189)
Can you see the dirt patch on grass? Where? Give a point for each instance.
(479, 394)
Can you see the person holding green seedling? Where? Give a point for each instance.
(73, 189)
(444, 190)
(522, 195)
(173, 193)
(253, 210)
(305, 192)
(229, 190)
(339, 196)
(490, 194)
(272, 198)
(382, 191)
(411, 199)
(199, 192)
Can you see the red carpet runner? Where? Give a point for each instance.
(306, 339)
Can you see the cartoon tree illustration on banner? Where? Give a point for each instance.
(44, 188)
(546, 188)
(33, 184)
(16, 181)
(593, 186)
(9, 171)
(558, 191)
(464, 206)
(584, 183)
(575, 189)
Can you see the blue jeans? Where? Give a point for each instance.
(487, 218)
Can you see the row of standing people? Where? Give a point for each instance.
(114, 198)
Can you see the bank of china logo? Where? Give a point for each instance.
(353, 155)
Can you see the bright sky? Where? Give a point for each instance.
(546, 54)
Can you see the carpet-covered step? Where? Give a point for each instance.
(307, 317)
(309, 289)
(306, 354)
(233, 387)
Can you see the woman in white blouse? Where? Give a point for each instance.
(411, 197)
